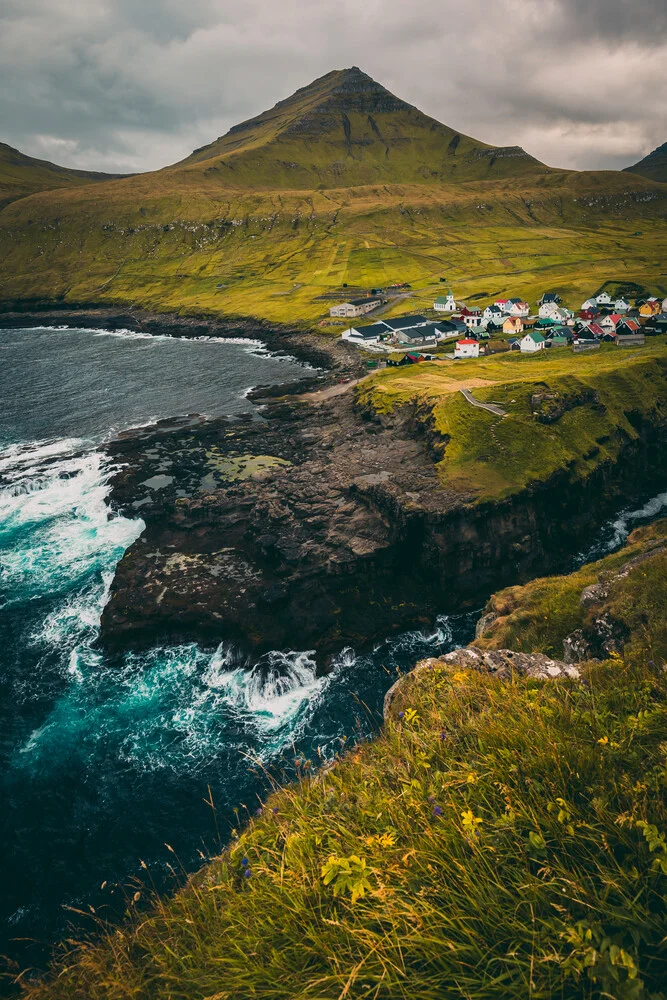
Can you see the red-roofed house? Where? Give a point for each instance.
(595, 329)
(521, 309)
(466, 348)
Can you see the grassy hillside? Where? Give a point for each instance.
(22, 175)
(499, 840)
(596, 400)
(653, 166)
(341, 184)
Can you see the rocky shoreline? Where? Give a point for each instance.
(317, 525)
(329, 354)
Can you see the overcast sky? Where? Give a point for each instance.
(136, 84)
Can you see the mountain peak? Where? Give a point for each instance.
(346, 129)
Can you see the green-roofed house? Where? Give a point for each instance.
(532, 342)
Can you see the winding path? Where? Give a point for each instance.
(491, 407)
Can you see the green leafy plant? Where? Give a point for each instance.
(346, 875)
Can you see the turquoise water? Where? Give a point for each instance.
(104, 760)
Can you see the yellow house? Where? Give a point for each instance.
(650, 308)
(513, 324)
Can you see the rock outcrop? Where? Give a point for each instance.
(501, 663)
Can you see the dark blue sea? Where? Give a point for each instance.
(105, 762)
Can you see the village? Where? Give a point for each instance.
(459, 330)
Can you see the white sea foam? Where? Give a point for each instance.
(614, 533)
(56, 530)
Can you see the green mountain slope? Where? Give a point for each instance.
(346, 129)
(22, 175)
(341, 185)
(653, 166)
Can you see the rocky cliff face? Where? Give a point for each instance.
(317, 526)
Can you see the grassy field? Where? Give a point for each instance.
(274, 255)
(498, 841)
(492, 456)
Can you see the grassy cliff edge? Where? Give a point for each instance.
(500, 838)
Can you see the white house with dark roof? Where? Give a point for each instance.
(492, 313)
(622, 305)
(603, 299)
(372, 334)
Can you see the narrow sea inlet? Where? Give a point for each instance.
(105, 760)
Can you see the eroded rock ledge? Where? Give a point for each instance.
(315, 525)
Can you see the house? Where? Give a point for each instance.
(532, 342)
(366, 334)
(587, 314)
(503, 305)
(514, 344)
(451, 328)
(549, 297)
(590, 305)
(445, 303)
(466, 348)
(632, 340)
(547, 309)
(404, 322)
(519, 308)
(558, 340)
(590, 331)
(473, 321)
(583, 344)
(650, 308)
(609, 323)
(423, 336)
(560, 331)
(603, 299)
(621, 304)
(562, 315)
(396, 359)
(545, 323)
(492, 313)
(356, 307)
(664, 305)
(513, 324)
(627, 328)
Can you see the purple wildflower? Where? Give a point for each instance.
(437, 811)
(245, 862)
(246, 873)
(443, 735)
(401, 714)
(258, 812)
(275, 810)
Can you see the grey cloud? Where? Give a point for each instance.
(121, 84)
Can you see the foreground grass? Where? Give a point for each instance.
(609, 394)
(498, 840)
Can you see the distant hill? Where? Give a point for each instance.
(345, 129)
(22, 175)
(341, 185)
(653, 166)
